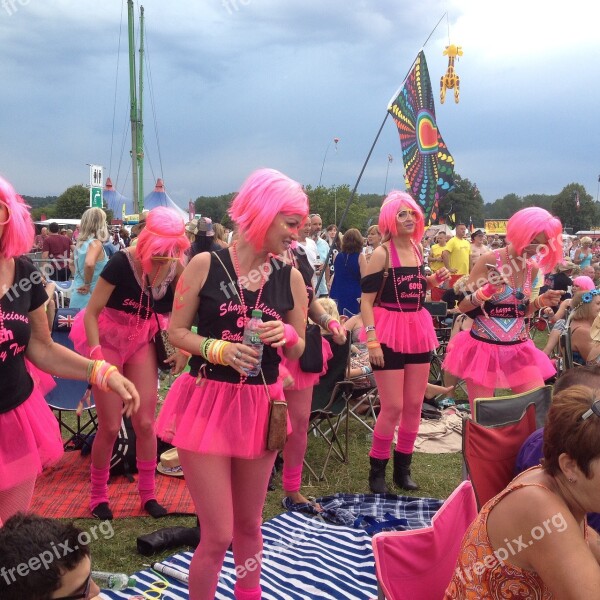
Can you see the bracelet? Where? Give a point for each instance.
(369, 328)
(324, 318)
(87, 283)
(290, 335)
(373, 344)
(366, 370)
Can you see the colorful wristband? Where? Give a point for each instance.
(333, 326)
(290, 334)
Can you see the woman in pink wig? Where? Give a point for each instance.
(120, 325)
(400, 335)
(219, 421)
(29, 433)
(497, 352)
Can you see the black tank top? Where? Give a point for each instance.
(220, 315)
(410, 284)
(303, 265)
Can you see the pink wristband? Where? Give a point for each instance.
(96, 353)
(290, 335)
(333, 326)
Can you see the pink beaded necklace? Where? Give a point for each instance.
(236, 268)
(136, 332)
(418, 276)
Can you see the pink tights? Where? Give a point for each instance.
(229, 495)
(401, 395)
(299, 403)
(16, 499)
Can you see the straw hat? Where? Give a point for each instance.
(566, 266)
(205, 227)
(169, 463)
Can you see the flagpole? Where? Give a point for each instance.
(347, 207)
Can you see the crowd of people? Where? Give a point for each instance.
(202, 284)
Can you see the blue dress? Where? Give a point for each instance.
(80, 300)
(345, 289)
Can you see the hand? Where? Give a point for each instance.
(318, 267)
(178, 361)
(376, 356)
(551, 297)
(547, 312)
(453, 271)
(339, 335)
(442, 275)
(125, 388)
(273, 334)
(242, 358)
(84, 289)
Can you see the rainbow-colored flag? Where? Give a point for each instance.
(428, 163)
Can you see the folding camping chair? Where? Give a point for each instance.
(64, 398)
(417, 564)
(330, 405)
(490, 452)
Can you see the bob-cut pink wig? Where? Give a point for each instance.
(163, 235)
(264, 195)
(525, 225)
(584, 283)
(392, 205)
(18, 233)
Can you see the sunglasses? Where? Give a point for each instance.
(404, 214)
(7, 212)
(593, 410)
(83, 595)
(522, 306)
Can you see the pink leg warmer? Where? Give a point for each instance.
(246, 593)
(99, 487)
(292, 478)
(146, 479)
(299, 402)
(381, 446)
(406, 441)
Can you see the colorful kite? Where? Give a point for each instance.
(429, 166)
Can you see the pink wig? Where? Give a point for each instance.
(584, 283)
(391, 206)
(528, 223)
(163, 235)
(264, 195)
(18, 233)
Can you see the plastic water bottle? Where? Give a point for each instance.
(113, 581)
(252, 339)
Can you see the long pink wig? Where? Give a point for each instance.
(584, 283)
(264, 195)
(18, 233)
(163, 235)
(528, 223)
(391, 206)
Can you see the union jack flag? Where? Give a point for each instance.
(65, 321)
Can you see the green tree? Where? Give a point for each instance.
(73, 202)
(214, 207)
(582, 217)
(464, 201)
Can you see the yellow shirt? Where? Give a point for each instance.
(435, 257)
(460, 251)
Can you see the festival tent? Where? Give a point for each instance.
(158, 197)
(115, 200)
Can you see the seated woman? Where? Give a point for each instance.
(585, 346)
(552, 553)
(559, 319)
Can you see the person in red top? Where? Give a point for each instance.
(58, 248)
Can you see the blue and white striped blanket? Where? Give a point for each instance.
(304, 558)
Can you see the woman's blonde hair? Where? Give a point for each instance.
(586, 241)
(93, 226)
(330, 307)
(581, 310)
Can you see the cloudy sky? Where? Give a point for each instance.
(240, 84)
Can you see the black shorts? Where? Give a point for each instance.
(396, 360)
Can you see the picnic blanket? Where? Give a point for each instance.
(62, 492)
(304, 558)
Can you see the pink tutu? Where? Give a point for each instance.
(30, 440)
(406, 332)
(496, 365)
(115, 328)
(304, 380)
(44, 381)
(215, 417)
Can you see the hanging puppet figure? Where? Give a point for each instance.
(450, 80)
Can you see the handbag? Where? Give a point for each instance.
(164, 348)
(311, 360)
(377, 300)
(277, 426)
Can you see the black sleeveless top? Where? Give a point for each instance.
(410, 283)
(303, 265)
(220, 315)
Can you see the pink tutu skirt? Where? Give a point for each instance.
(117, 333)
(496, 365)
(215, 417)
(304, 380)
(29, 441)
(406, 332)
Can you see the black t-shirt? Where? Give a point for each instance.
(410, 284)
(23, 297)
(220, 312)
(127, 293)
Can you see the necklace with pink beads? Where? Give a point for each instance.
(418, 277)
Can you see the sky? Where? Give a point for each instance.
(235, 85)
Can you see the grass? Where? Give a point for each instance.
(437, 475)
